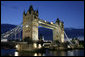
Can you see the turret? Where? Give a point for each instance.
(37, 12)
(27, 12)
(57, 21)
(31, 10)
(24, 13)
(62, 24)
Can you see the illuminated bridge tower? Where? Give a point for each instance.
(30, 24)
(58, 32)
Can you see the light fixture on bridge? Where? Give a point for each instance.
(39, 46)
(35, 45)
(40, 22)
(17, 46)
(45, 20)
(27, 25)
(51, 22)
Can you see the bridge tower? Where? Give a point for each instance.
(58, 32)
(30, 24)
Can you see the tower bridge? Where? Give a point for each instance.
(31, 19)
(29, 28)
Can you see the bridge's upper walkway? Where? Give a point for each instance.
(47, 24)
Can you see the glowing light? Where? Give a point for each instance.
(16, 46)
(45, 20)
(62, 38)
(68, 46)
(40, 22)
(26, 25)
(51, 22)
(39, 46)
(35, 54)
(3, 40)
(35, 45)
(16, 54)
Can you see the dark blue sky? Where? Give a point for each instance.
(70, 12)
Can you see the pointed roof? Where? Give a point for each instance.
(37, 11)
(57, 20)
(31, 7)
(24, 13)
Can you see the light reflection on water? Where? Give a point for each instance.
(37, 54)
(70, 53)
(47, 53)
(16, 53)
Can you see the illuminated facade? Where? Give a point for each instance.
(31, 23)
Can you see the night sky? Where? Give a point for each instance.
(70, 12)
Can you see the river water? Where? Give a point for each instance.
(13, 52)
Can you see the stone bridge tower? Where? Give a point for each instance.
(30, 24)
(58, 32)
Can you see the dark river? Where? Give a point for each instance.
(13, 52)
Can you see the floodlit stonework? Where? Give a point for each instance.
(31, 23)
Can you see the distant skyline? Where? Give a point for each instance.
(70, 12)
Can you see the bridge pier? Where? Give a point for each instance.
(56, 35)
(24, 46)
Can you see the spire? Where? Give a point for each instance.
(24, 13)
(31, 9)
(62, 24)
(58, 21)
(37, 11)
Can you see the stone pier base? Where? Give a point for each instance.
(24, 46)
